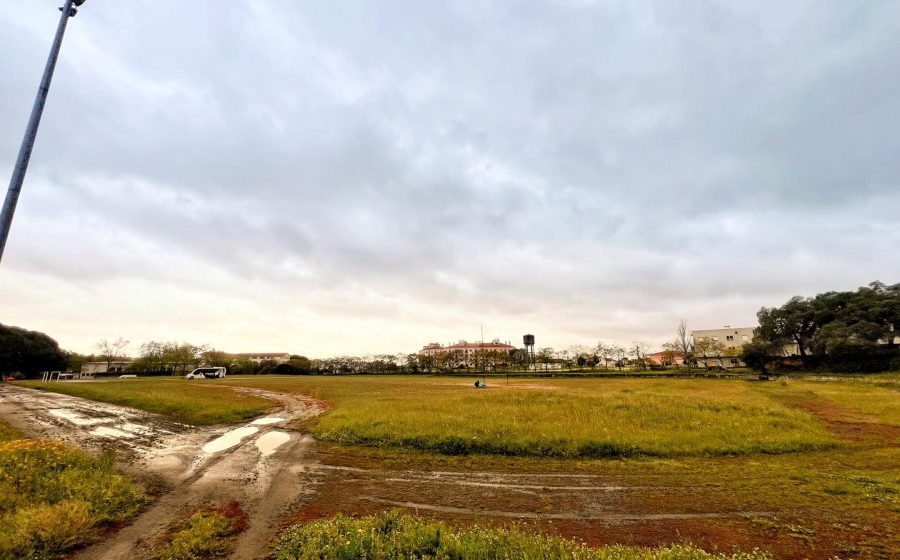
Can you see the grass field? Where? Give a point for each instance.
(821, 456)
(197, 402)
(557, 418)
(542, 418)
(54, 498)
(869, 400)
(392, 535)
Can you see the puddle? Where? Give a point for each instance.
(111, 432)
(268, 443)
(229, 439)
(267, 421)
(77, 419)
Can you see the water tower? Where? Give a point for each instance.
(528, 340)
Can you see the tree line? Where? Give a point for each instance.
(841, 331)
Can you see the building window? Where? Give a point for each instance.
(729, 338)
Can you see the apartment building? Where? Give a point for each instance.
(721, 347)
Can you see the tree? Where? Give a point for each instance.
(758, 353)
(109, 351)
(28, 352)
(604, 351)
(684, 343)
(619, 353)
(708, 349)
(639, 350)
(671, 354)
(74, 360)
(545, 355)
(847, 329)
(301, 363)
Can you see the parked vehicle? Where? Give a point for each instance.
(207, 373)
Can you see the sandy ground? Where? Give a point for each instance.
(263, 464)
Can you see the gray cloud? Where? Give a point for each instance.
(361, 177)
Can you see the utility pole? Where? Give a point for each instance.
(18, 176)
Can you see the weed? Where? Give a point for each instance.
(393, 535)
(206, 534)
(53, 498)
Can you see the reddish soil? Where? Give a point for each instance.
(845, 423)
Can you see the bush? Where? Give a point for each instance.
(396, 536)
(205, 535)
(53, 498)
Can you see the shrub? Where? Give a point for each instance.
(397, 536)
(205, 535)
(53, 498)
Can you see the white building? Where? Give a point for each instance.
(259, 357)
(721, 347)
(91, 368)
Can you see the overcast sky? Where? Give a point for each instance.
(360, 177)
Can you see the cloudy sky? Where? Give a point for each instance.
(359, 177)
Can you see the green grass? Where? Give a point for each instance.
(875, 400)
(54, 498)
(197, 402)
(7, 432)
(557, 418)
(207, 534)
(396, 536)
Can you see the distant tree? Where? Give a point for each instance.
(684, 343)
(109, 350)
(216, 358)
(545, 355)
(619, 353)
(670, 354)
(301, 363)
(709, 349)
(604, 352)
(639, 351)
(28, 352)
(847, 329)
(758, 353)
(74, 361)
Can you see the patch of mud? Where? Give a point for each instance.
(197, 466)
(267, 421)
(104, 431)
(606, 517)
(846, 423)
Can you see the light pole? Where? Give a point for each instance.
(18, 176)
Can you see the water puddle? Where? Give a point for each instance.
(268, 443)
(267, 421)
(77, 419)
(103, 431)
(229, 439)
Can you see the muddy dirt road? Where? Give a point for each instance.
(261, 464)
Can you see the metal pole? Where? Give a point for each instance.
(18, 176)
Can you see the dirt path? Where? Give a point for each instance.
(261, 464)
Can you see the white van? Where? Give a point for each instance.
(207, 373)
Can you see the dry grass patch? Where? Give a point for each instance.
(54, 498)
(568, 418)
